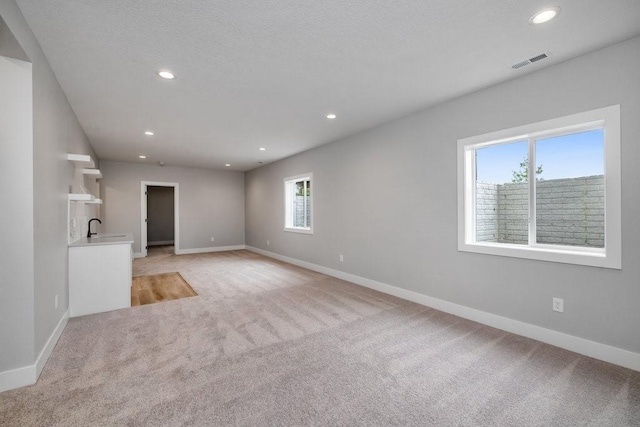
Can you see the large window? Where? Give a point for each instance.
(548, 191)
(298, 204)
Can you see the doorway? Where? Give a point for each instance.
(160, 218)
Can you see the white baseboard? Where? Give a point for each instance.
(211, 249)
(29, 374)
(138, 255)
(579, 345)
(18, 378)
(51, 344)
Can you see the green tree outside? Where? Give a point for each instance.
(522, 175)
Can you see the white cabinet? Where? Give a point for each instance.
(99, 276)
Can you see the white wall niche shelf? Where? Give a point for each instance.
(94, 173)
(82, 197)
(87, 165)
(83, 160)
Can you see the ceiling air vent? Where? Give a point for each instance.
(540, 57)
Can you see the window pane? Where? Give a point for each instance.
(570, 189)
(502, 193)
(302, 204)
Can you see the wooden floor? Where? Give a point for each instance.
(158, 288)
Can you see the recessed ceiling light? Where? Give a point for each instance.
(148, 132)
(227, 164)
(262, 149)
(544, 15)
(166, 75)
(143, 157)
(331, 116)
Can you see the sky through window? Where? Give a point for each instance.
(567, 156)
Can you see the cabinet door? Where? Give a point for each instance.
(99, 278)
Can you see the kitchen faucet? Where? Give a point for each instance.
(89, 233)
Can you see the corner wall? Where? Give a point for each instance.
(56, 131)
(211, 203)
(375, 203)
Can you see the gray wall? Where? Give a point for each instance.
(211, 202)
(160, 213)
(375, 202)
(56, 131)
(9, 46)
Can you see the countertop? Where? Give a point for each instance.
(104, 239)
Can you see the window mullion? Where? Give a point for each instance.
(532, 192)
(292, 205)
(471, 188)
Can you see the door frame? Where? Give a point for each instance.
(143, 214)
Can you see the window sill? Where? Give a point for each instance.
(299, 230)
(579, 256)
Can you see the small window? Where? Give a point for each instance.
(548, 191)
(298, 204)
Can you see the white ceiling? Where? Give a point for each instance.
(266, 73)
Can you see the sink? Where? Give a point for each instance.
(98, 236)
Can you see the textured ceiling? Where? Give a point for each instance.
(265, 73)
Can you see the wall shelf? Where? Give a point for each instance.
(95, 173)
(81, 197)
(87, 165)
(81, 160)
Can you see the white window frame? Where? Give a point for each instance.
(610, 256)
(288, 195)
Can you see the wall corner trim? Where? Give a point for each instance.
(28, 375)
(593, 349)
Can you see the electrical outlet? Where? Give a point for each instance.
(558, 305)
(267, 243)
(341, 258)
(55, 302)
(212, 239)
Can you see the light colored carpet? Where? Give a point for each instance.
(268, 343)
